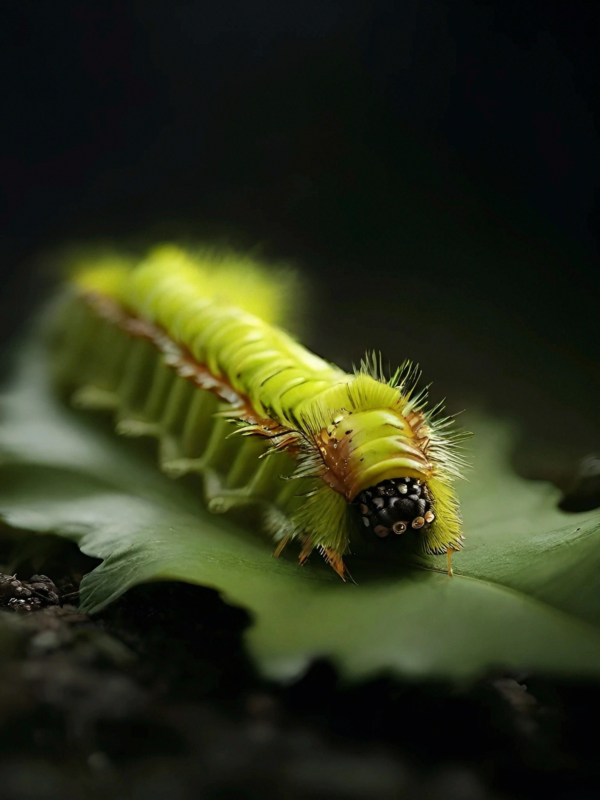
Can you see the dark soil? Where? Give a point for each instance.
(156, 698)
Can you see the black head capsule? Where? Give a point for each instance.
(394, 506)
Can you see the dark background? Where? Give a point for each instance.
(434, 166)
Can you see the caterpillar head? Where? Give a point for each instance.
(383, 464)
(396, 465)
(394, 506)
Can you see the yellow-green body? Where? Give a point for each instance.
(342, 432)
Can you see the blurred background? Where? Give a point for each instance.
(431, 165)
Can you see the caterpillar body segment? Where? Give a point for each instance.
(180, 347)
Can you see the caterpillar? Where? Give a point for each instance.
(180, 345)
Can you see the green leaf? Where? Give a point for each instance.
(526, 591)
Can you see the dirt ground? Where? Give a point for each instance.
(155, 698)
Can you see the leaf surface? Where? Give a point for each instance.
(526, 591)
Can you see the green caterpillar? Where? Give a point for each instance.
(181, 345)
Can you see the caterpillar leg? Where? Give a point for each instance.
(334, 559)
(449, 552)
(331, 556)
(280, 547)
(307, 549)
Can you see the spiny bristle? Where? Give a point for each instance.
(404, 378)
(445, 445)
